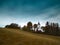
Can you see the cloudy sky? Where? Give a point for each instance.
(23, 11)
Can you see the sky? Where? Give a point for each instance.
(23, 11)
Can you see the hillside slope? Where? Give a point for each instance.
(18, 37)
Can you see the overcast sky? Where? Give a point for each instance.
(23, 11)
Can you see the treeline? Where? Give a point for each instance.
(49, 28)
(13, 25)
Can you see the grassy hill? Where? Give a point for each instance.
(19, 37)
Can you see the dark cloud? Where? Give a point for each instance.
(28, 6)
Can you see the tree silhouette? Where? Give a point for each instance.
(7, 26)
(35, 26)
(47, 27)
(24, 28)
(13, 25)
(52, 28)
(47, 23)
(29, 25)
(57, 29)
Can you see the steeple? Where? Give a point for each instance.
(38, 26)
(38, 23)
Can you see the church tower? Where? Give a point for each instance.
(38, 26)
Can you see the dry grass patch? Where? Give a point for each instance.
(18, 37)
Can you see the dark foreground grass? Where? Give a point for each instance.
(18, 37)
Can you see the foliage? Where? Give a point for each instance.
(49, 28)
(13, 25)
(29, 25)
(24, 28)
(35, 26)
(52, 28)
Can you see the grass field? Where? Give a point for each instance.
(19, 37)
